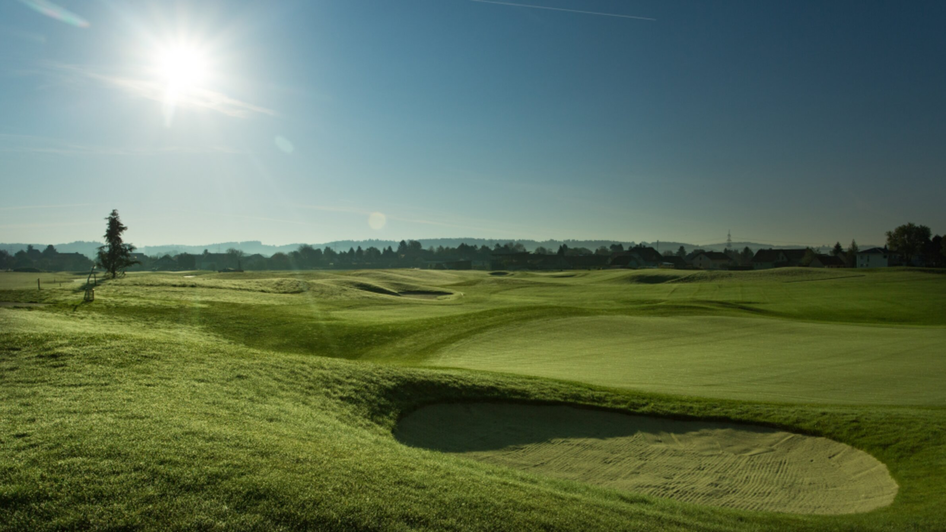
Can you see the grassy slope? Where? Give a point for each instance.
(200, 406)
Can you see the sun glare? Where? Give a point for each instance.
(183, 70)
(183, 67)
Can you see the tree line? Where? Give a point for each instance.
(409, 254)
(913, 243)
(33, 260)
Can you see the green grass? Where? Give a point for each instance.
(265, 401)
(27, 281)
(721, 356)
(21, 287)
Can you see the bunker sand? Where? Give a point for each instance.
(718, 464)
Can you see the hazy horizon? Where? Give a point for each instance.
(220, 246)
(799, 123)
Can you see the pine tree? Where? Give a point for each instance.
(115, 255)
(850, 258)
(747, 256)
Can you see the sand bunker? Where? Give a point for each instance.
(424, 294)
(719, 464)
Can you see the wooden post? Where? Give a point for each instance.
(38, 287)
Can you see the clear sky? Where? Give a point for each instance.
(293, 121)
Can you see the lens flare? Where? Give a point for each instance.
(377, 221)
(61, 14)
(284, 144)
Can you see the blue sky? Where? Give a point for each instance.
(784, 122)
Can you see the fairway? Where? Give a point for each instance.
(719, 464)
(714, 356)
(27, 281)
(783, 400)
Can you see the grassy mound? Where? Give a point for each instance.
(279, 285)
(644, 276)
(719, 464)
(409, 283)
(364, 286)
(133, 427)
(776, 274)
(206, 407)
(426, 294)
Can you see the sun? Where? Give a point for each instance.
(182, 67)
(183, 71)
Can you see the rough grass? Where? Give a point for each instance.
(268, 286)
(202, 407)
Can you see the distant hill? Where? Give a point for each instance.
(251, 247)
(343, 245)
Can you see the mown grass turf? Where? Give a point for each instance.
(203, 406)
(720, 356)
(22, 286)
(27, 281)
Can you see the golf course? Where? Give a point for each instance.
(783, 399)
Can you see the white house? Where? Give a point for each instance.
(876, 258)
